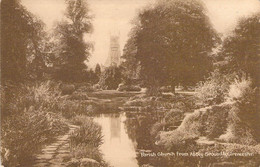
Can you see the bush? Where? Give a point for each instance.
(176, 140)
(156, 128)
(31, 124)
(67, 89)
(71, 108)
(111, 78)
(214, 89)
(89, 133)
(244, 115)
(216, 121)
(86, 140)
(174, 117)
(79, 119)
(86, 151)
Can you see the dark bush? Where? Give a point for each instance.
(111, 78)
(89, 133)
(67, 89)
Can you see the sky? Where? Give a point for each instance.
(114, 17)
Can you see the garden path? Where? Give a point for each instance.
(52, 155)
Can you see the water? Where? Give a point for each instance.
(118, 148)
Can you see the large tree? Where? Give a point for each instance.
(21, 36)
(73, 49)
(173, 41)
(241, 48)
(130, 64)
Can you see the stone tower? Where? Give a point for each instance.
(114, 52)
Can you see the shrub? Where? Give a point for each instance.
(216, 121)
(174, 117)
(86, 140)
(156, 128)
(70, 108)
(79, 119)
(33, 121)
(214, 89)
(111, 78)
(176, 139)
(67, 89)
(244, 115)
(89, 133)
(23, 134)
(85, 150)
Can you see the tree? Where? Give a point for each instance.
(111, 78)
(173, 40)
(98, 70)
(73, 50)
(241, 49)
(131, 66)
(21, 33)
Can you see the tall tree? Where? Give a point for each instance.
(173, 40)
(242, 48)
(21, 34)
(73, 50)
(131, 66)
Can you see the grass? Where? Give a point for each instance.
(31, 121)
(85, 142)
(36, 113)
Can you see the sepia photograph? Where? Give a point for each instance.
(130, 83)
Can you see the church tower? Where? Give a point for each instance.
(114, 51)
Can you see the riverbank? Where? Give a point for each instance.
(110, 124)
(180, 124)
(36, 115)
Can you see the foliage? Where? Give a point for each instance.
(86, 151)
(69, 107)
(174, 117)
(214, 89)
(111, 78)
(209, 121)
(72, 48)
(98, 70)
(86, 140)
(21, 42)
(176, 139)
(244, 114)
(32, 120)
(169, 50)
(36, 95)
(156, 128)
(92, 77)
(131, 66)
(89, 133)
(241, 49)
(216, 121)
(79, 119)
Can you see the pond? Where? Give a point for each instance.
(118, 148)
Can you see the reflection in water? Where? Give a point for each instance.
(117, 148)
(115, 127)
